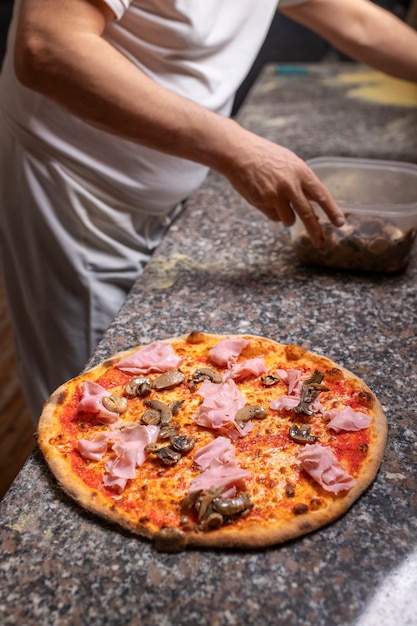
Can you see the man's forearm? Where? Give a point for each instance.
(364, 31)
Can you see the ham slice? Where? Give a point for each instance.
(218, 452)
(158, 356)
(124, 465)
(220, 467)
(91, 402)
(219, 407)
(130, 450)
(221, 477)
(95, 448)
(226, 351)
(347, 419)
(318, 461)
(129, 446)
(286, 403)
(250, 367)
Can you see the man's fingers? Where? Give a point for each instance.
(317, 192)
(285, 212)
(309, 218)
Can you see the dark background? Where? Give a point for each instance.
(286, 42)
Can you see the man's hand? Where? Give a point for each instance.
(279, 184)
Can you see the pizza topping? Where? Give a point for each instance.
(302, 434)
(95, 448)
(170, 379)
(115, 403)
(183, 443)
(347, 419)
(158, 411)
(293, 379)
(318, 461)
(167, 431)
(161, 414)
(226, 351)
(92, 402)
(201, 374)
(250, 367)
(166, 454)
(248, 412)
(208, 518)
(214, 509)
(138, 386)
(220, 468)
(175, 406)
(311, 388)
(293, 399)
(232, 506)
(171, 454)
(219, 407)
(217, 452)
(129, 444)
(158, 356)
(284, 402)
(151, 416)
(270, 380)
(220, 476)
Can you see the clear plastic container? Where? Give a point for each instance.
(379, 199)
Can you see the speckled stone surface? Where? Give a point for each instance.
(224, 268)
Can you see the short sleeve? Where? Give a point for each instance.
(118, 7)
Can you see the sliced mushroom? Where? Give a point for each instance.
(248, 412)
(212, 521)
(175, 406)
(151, 417)
(167, 455)
(311, 388)
(168, 380)
(183, 443)
(203, 503)
(204, 373)
(302, 434)
(138, 386)
(165, 412)
(213, 510)
(232, 506)
(189, 501)
(167, 431)
(270, 380)
(114, 403)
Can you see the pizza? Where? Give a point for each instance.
(217, 441)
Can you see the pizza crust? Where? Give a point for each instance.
(245, 533)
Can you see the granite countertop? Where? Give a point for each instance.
(224, 268)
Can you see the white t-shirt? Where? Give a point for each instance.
(200, 49)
